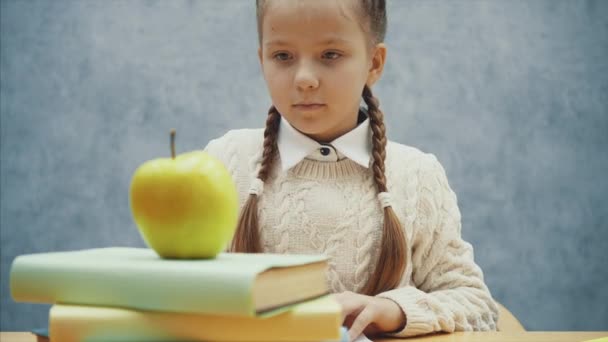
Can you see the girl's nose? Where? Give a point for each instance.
(306, 78)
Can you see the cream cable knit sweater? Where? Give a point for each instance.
(332, 208)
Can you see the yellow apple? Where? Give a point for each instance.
(185, 207)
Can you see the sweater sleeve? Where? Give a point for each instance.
(224, 148)
(448, 292)
(214, 148)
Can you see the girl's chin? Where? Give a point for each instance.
(308, 130)
(316, 134)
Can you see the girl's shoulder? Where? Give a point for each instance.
(405, 154)
(236, 146)
(402, 158)
(243, 136)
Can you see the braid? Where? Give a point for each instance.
(247, 236)
(270, 142)
(393, 252)
(376, 118)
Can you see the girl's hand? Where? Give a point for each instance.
(369, 315)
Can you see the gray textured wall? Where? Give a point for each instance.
(510, 95)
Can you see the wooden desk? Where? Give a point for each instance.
(456, 337)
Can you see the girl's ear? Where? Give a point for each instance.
(260, 57)
(378, 58)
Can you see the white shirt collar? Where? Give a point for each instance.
(295, 146)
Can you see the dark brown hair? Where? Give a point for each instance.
(393, 253)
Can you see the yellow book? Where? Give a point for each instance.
(316, 320)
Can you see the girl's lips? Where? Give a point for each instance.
(312, 106)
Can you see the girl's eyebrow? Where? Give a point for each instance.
(335, 40)
(330, 41)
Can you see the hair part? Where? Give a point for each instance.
(372, 15)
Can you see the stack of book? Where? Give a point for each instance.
(131, 294)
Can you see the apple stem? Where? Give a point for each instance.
(173, 143)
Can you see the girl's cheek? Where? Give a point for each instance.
(277, 81)
(281, 79)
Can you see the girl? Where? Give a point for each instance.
(323, 178)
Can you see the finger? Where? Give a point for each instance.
(365, 317)
(348, 320)
(352, 307)
(351, 304)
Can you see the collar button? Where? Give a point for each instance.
(325, 151)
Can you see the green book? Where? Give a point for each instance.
(231, 284)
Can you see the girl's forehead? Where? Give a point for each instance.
(299, 20)
(310, 6)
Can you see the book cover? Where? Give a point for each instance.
(138, 278)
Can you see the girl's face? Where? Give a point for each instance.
(316, 59)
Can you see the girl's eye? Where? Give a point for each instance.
(331, 55)
(281, 56)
